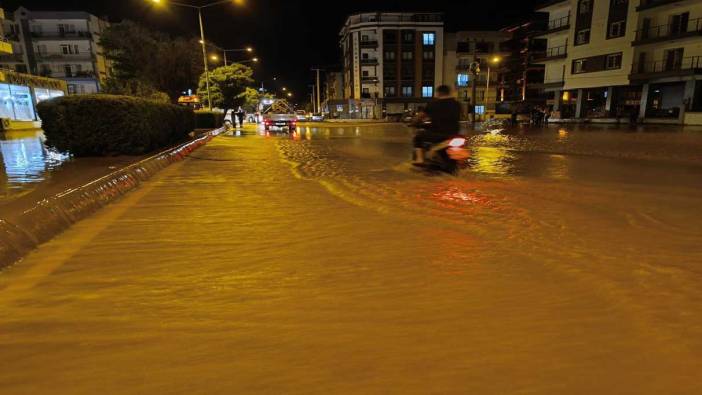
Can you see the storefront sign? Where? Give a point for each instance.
(32, 81)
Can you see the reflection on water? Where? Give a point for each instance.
(25, 160)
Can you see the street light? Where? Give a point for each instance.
(202, 33)
(224, 51)
(494, 60)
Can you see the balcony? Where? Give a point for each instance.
(58, 56)
(670, 31)
(369, 80)
(369, 43)
(79, 35)
(369, 62)
(557, 25)
(648, 4)
(479, 48)
(5, 47)
(380, 17)
(15, 57)
(667, 68)
(552, 54)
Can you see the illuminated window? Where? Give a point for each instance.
(429, 38)
(462, 80)
(407, 91)
(427, 91)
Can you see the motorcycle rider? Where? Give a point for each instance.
(443, 115)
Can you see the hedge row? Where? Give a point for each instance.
(101, 125)
(208, 119)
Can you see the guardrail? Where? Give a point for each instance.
(559, 23)
(669, 31)
(690, 63)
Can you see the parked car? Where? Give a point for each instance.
(301, 115)
(317, 117)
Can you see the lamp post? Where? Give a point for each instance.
(494, 60)
(474, 71)
(202, 35)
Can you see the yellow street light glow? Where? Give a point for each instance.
(200, 41)
(496, 59)
(289, 94)
(214, 57)
(255, 59)
(284, 89)
(249, 49)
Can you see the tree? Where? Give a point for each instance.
(228, 85)
(149, 59)
(136, 88)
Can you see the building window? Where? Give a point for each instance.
(616, 29)
(364, 55)
(427, 91)
(365, 38)
(407, 91)
(462, 80)
(428, 55)
(408, 37)
(390, 91)
(583, 37)
(579, 66)
(407, 55)
(585, 7)
(428, 38)
(69, 49)
(389, 55)
(366, 91)
(365, 73)
(614, 61)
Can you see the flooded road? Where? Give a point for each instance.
(25, 162)
(560, 261)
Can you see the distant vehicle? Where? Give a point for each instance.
(301, 115)
(280, 120)
(316, 117)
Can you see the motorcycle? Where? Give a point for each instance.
(448, 156)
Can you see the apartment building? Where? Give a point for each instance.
(54, 44)
(484, 48)
(392, 61)
(608, 59)
(667, 60)
(20, 93)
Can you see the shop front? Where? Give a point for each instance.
(19, 95)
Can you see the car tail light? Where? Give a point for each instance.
(457, 142)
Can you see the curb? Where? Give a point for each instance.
(51, 216)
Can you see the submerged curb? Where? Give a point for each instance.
(53, 215)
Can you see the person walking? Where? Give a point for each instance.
(240, 114)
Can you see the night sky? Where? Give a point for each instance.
(290, 36)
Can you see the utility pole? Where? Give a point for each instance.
(319, 102)
(474, 71)
(312, 96)
(204, 58)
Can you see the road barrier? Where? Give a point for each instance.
(51, 216)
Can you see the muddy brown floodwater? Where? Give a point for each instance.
(562, 260)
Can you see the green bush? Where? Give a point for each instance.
(102, 125)
(208, 119)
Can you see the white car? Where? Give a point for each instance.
(301, 115)
(317, 117)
